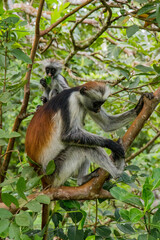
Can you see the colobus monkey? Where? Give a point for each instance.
(58, 83)
(56, 133)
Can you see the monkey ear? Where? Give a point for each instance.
(83, 90)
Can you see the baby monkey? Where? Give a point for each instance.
(54, 82)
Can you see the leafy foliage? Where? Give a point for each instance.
(126, 56)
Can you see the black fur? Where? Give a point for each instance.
(61, 102)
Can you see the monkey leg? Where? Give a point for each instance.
(83, 172)
(100, 157)
(88, 177)
(72, 158)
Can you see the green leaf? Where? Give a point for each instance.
(125, 178)
(2, 60)
(156, 68)
(48, 80)
(33, 182)
(155, 176)
(14, 231)
(90, 237)
(124, 214)
(135, 215)
(146, 8)
(158, 14)
(74, 233)
(5, 97)
(2, 142)
(55, 15)
(19, 54)
(143, 237)
(130, 31)
(134, 201)
(122, 71)
(8, 199)
(43, 199)
(81, 224)
(34, 206)
(4, 225)
(14, 134)
(50, 167)
(103, 231)
(132, 97)
(1, 8)
(8, 182)
(147, 195)
(122, 195)
(4, 134)
(126, 228)
(60, 234)
(76, 216)
(134, 83)
(154, 233)
(156, 217)
(14, 19)
(36, 237)
(56, 218)
(23, 219)
(21, 187)
(132, 168)
(70, 204)
(28, 172)
(25, 237)
(143, 68)
(5, 214)
(117, 214)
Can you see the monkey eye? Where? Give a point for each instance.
(53, 70)
(47, 70)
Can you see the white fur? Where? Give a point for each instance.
(107, 93)
(76, 110)
(55, 145)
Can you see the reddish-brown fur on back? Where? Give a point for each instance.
(38, 133)
(93, 85)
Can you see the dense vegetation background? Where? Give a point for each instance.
(117, 42)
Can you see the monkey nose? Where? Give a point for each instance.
(49, 74)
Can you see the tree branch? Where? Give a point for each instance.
(63, 18)
(143, 148)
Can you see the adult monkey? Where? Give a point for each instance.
(56, 133)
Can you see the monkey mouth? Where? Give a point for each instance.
(97, 110)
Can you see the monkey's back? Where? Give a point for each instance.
(42, 142)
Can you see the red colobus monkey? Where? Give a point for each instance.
(56, 133)
(58, 83)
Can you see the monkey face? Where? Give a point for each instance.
(51, 71)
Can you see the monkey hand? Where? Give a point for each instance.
(116, 148)
(43, 82)
(44, 99)
(140, 103)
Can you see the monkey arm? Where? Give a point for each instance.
(81, 137)
(62, 82)
(109, 122)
